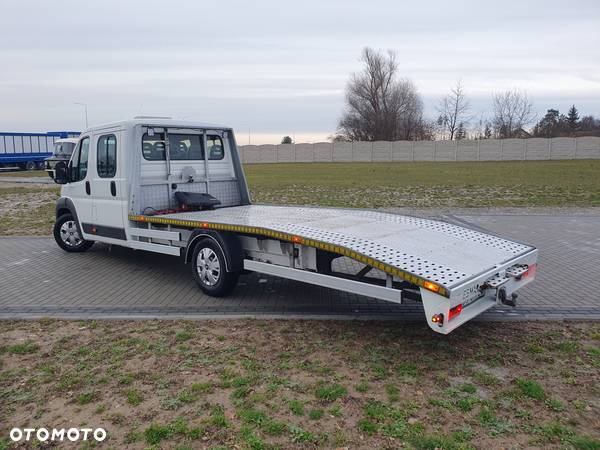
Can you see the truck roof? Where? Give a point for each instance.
(166, 122)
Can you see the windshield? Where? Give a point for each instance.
(63, 148)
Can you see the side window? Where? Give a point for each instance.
(74, 163)
(214, 144)
(106, 161)
(79, 161)
(153, 147)
(83, 158)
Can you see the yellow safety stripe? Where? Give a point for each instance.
(344, 251)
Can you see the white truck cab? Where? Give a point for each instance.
(63, 149)
(178, 188)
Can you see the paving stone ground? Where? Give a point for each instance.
(40, 280)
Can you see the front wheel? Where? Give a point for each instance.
(209, 269)
(67, 236)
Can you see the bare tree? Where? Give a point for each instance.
(453, 111)
(512, 112)
(379, 105)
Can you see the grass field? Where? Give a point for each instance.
(305, 384)
(30, 210)
(24, 174)
(469, 184)
(27, 210)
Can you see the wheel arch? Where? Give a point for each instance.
(229, 244)
(65, 205)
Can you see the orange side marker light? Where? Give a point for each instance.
(431, 286)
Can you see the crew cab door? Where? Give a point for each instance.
(109, 197)
(79, 187)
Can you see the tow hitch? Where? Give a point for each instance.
(516, 272)
(512, 301)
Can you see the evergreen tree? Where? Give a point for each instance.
(573, 118)
(461, 132)
(562, 128)
(286, 140)
(487, 133)
(548, 126)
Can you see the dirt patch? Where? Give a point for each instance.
(298, 384)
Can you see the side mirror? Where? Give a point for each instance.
(61, 173)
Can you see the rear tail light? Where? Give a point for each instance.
(530, 271)
(455, 311)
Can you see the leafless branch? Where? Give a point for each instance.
(453, 111)
(512, 112)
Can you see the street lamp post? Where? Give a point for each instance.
(86, 114)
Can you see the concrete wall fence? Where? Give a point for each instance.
(398, 151)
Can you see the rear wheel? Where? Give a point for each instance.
(67, 236)
(210, 270)
(30, 165)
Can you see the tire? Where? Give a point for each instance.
(209, 269)
(67, 236)
(30, 165)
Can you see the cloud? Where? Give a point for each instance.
(275, 66)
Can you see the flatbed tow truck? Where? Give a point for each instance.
(178, 188)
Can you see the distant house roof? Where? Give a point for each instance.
(521, 133)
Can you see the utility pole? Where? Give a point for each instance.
(86, 114)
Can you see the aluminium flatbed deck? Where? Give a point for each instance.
(410, 248)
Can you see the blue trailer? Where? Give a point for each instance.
(28, 150)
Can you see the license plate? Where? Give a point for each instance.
(472, 293)
(473, 299)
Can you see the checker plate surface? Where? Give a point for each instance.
(438, 251)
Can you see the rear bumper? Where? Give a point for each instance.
(475, 296)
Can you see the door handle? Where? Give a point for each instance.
(88, 189)
(113, 188)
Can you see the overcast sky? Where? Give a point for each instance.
(275, 67)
